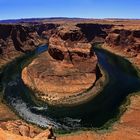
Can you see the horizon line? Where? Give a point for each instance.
(90, 18)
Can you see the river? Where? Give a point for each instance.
(105, 107)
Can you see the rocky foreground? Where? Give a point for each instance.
(70, 57)
(127, 128)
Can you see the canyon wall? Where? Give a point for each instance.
(18, 39)
(125, 41)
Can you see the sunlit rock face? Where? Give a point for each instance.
(68, 68)
(125, 40)
(20, 128)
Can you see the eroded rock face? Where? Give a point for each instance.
(68, 68)
(20, 128)
(125, 41)
(18, 39)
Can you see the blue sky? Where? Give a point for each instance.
(13, 9)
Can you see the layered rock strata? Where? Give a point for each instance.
(125, 41)
(67, 69)
(16, 40)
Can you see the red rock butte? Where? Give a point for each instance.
(68, 68)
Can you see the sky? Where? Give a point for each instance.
(15, 9)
